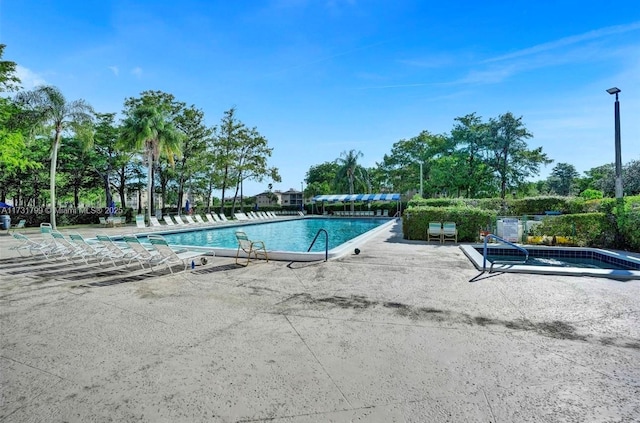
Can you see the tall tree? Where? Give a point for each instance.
(562, 179)
(349, 169)
(148, 128)
(251, 164)
(631, 177)
(16, 159)
(190, 121)
(76, 170)
(601, 178)
(323, 173)
(510, 159)
(9, 80)
(50, 111)
(109, 157)
(470, 137)
(402, 166)
(228, 139)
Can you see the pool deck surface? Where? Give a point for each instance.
(405, 331)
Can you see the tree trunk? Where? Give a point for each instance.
(107, 188)
(52, 178)
(149, 184)
(181, 184)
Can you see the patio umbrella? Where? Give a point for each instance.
(186, 207)
(5, 205)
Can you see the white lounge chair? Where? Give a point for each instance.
(179, 220)
(69, 251)
(140, 221)
(189, 220)
(113, 252)
(21, 224)
(199, 219)
(223, 218)
(142, 254)
(154, 222)
(169, 256)
(240, 216)
(31, 246)
(212, 218)
(91, 250)
(167, 219)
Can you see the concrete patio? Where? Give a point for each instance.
(403, 332)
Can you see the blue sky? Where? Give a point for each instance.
(321, 77)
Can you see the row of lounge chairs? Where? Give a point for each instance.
(74, 247)
(361, 213)
(442, 232)
(258, 215)
(211, 219)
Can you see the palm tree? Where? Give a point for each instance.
(47, 108)
(349, 168)
(148, 127)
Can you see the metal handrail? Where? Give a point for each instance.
(326, 243)
(484, 253)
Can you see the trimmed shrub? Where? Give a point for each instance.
(586, 229)
(469, 221)
(629, 227)
(591, 194)
(416, 201)
(539, 205)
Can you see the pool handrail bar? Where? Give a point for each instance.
(326, 243)
(496, 237)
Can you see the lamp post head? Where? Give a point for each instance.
(614, 90)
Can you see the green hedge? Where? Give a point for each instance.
(469, 221)
(539, 205)
(585, 229)
(509, 206)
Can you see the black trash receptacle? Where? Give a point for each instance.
(5, 221)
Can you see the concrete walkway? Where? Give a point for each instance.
(402, 332)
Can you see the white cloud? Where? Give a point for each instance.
(137, 71)
(567, 41)
(115, 70)
(28, 78)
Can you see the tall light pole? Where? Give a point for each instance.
(619, 191)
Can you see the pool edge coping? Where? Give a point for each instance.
(477, 259)
(276, 255)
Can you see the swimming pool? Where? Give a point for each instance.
(558, 261)
(284, 239)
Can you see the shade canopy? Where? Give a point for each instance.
(355, 197)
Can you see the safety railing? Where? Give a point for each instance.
(326, 243)
(517, 247)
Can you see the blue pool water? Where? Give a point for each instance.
(565, 257)
(292, 235)
(587, 263)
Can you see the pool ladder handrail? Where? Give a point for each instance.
(496, 237)
(326, 243)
